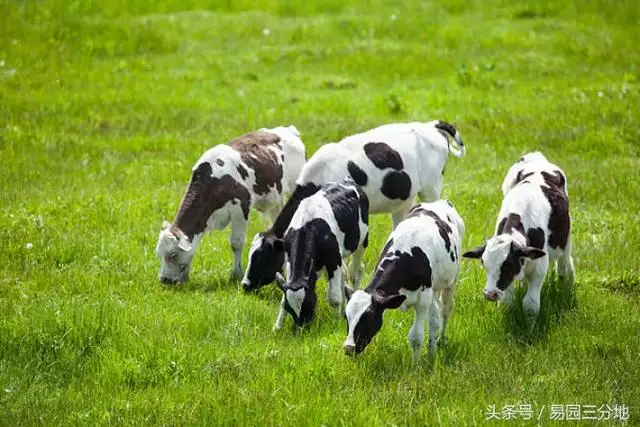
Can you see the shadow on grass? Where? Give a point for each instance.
(199, 285)
(558, 297)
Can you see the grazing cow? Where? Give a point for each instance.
(418, 268)
(326, 228)
(252, 171)
(532, 230)
(392, 163)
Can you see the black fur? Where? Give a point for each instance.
(359, 176)
(559, 220)
(396, 185)
(383, 156)
(346, 202)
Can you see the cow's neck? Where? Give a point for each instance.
(283, 220)
(385, 280)
(302, 258)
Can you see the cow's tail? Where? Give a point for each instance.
(457, 149)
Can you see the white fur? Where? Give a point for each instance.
(527, 200)
(421, 231)
(422, 147)
(534, 162)
(269, 203)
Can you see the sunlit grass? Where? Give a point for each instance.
(105, 105)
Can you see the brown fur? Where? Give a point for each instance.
(255, 151)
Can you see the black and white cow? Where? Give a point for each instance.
(392, 164)
(252, 171)
(326, 228)
(533, 229)
(418, 268)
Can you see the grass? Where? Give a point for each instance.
(104, 107)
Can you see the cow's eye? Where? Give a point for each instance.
(183, 267)
(172, 256)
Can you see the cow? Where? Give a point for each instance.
(418, 268)
(252, 171)
(392, 164)
(533, 229)
(327, 227)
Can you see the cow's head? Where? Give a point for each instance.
(503, 259)
(266, 258)
(364, 317)
(298, 300)
(176, 253)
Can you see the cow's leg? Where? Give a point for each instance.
(531, 301)
(237, 238)
(356, 268)
(281, 315)
(434, 321)
(416, 334)
(448, 305)
(431, 194)
(565, 264)
(334, 290)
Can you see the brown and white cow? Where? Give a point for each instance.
(252, 171)
(533, 230)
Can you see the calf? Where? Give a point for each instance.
(418, 268)
(327, 227)
(391, 163)
(252, 171)
(532, 230)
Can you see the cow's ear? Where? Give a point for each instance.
(280, 281)
(278, 245)
(391, 301)
(531, 252)
(165, 224)
(184, 244)
(475, 253)
(348, 292)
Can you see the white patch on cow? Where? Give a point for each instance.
(359, 302)
(295, 298)
(495, 253)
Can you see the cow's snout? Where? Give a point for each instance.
(350, 350)
(167, 280)
(491, 295)
(246, 285)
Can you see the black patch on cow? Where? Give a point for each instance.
(345, 204)
(559, 220)
(521, 177)
(400, 270)
(365, 243)
(255, 150)
(265, 262)
(509, 269)
(220, 162)
(359, 176)
(283, 220)
(556, 178)
(535, 237)
(396, 185)
(444, 229)
(383, 156)
(512, 222)
(364, 206)
(311, 248)
(242, 171)
(446, 127)
(368, 325)
(204, 196)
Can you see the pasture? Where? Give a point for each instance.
(106, 104)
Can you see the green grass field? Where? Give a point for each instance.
(104, 107)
